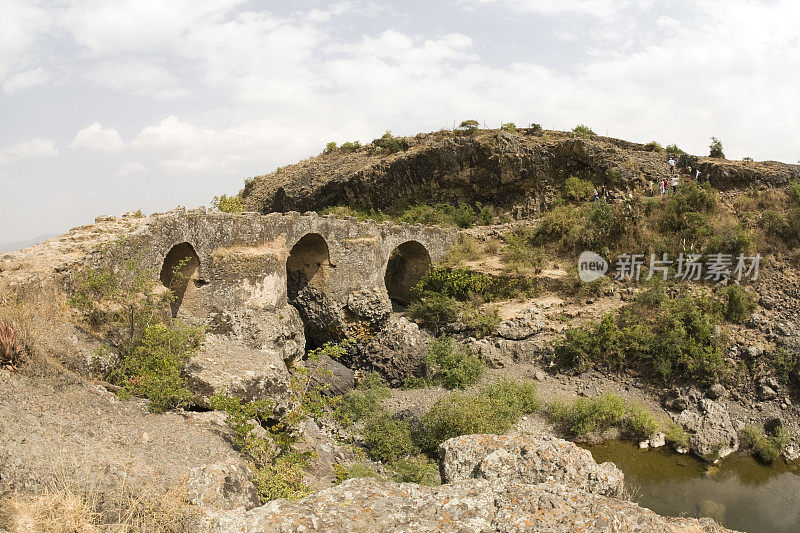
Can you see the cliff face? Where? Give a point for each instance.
(518, 172)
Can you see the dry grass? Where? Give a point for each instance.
(39, 317)
(65, 506)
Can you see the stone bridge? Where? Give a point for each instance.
(284, 281)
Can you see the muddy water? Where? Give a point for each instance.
(738, 492)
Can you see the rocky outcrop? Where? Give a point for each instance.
(397, 351)
(526, 459)
(518, 172)
(504, 497)
(224, 364)
(714, 434)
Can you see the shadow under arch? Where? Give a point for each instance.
(307, 273)
(180, 274)
(406, 265)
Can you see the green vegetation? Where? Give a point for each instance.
(595, 415)
(349, 147)
(536, 128)
(330, 147)
(355, 470)
(739, 304)
(786, 365)
(445, 294)
(151, 347)
(451, 365)
(715, 148)
(417, 469)
(468, 126)
(582, 130)
(653, 146)
(673, 149)
(494, 410)
(227, 204)
(278, 469)
(365, 399)
(390, 144)
(461, 215)
(765, 447)
(578, 190)
(658, 335)
(509, 127)
(676, 435)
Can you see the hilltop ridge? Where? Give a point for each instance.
(518, 172)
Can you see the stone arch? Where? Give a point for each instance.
(307, 265)
(180, 274)
(406, 265)
(307, 273)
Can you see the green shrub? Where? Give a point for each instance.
(350, 147)
(390, 144)
(578, 190)
(733, 241)
(227, 204)
(495, 409)
(364, 400)
(468, 126)
(786, 364)
(673, 149)
(482, 324)
(509, 127)
(582, 130)
(653, 146)
(461, 215)
(676, 435)
(766, 448)
(715, 148)
(330, 147)
(639, 424)
(153, 367)
(433, 309)
(386, 438)
(459, 283)
(794, 192)
(451, 365)
(536, 128)
(739, 304)
(588, 415)
(283, 478)
(417, 469)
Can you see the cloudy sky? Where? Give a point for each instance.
(108, 106)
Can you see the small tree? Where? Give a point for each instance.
(673, 149)
(582, 130)
(330, 147)
(469, 126)
(536, 128)
(715, 148)
(227, 204)
(509, 127)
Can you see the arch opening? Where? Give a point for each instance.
(307, 272)
(180, 274)
(406, 266)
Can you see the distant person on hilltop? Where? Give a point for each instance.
(698, 177)
(671, 165)
(596, 196)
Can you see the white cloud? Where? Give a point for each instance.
(595, 8)
(34, 148)
(21, 22)
(95, 137)
(137, 77)
(26, 80)
(131, 168)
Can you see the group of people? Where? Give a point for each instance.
(675, 179)
(665, 185)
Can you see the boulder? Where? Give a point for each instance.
(242, 371)
(519, 328)
(222, 485)
(470, 505)
(490, 352)
(332, 376)
(714, 434)
(397, 351)
(526, 459)
(716, 391)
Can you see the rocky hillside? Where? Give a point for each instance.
(517, 172)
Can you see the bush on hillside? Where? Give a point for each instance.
(653, 146)
(739, 304)
(715, 148)
(227, 204)
(578, 190)
(582, 130)
(673, 149)
(452, 366)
